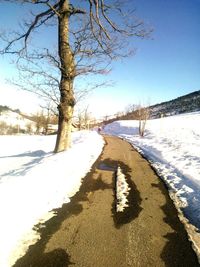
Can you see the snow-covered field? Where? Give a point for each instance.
(33, 181)
(172, 145)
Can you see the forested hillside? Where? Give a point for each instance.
(183, 104)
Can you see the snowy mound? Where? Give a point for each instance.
(122, 191)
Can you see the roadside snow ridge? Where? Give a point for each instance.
(122, 191)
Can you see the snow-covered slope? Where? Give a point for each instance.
(172, 145)
(14, 119)
(33, 181)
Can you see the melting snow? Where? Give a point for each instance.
(122, 191)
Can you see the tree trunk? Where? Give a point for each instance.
(67, 101)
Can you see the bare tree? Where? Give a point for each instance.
(90, 35)
(80, 120)
(130, 108)
(86, 118)
(83, 119)
(143, 116)
(40, 122)
(50, 115)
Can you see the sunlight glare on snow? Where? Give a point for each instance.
(33, 181)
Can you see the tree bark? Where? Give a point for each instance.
(67, 100)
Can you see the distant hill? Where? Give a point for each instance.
(183, 104)
(13, 122)
(6, 108)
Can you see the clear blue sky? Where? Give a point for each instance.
(165, 66)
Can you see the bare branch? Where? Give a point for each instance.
(39, 20)
(90, 35)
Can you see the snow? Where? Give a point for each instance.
(122, 191)
(172, 145)
(34, 181)
(14, 119)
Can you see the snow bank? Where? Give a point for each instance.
(122, 191)
(33, 181)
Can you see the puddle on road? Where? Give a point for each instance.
(105, 167)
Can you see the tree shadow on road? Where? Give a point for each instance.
(55, 258)
(36, 256)
(134, 200)
(177, 241)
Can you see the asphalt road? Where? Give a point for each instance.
(88, 232)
